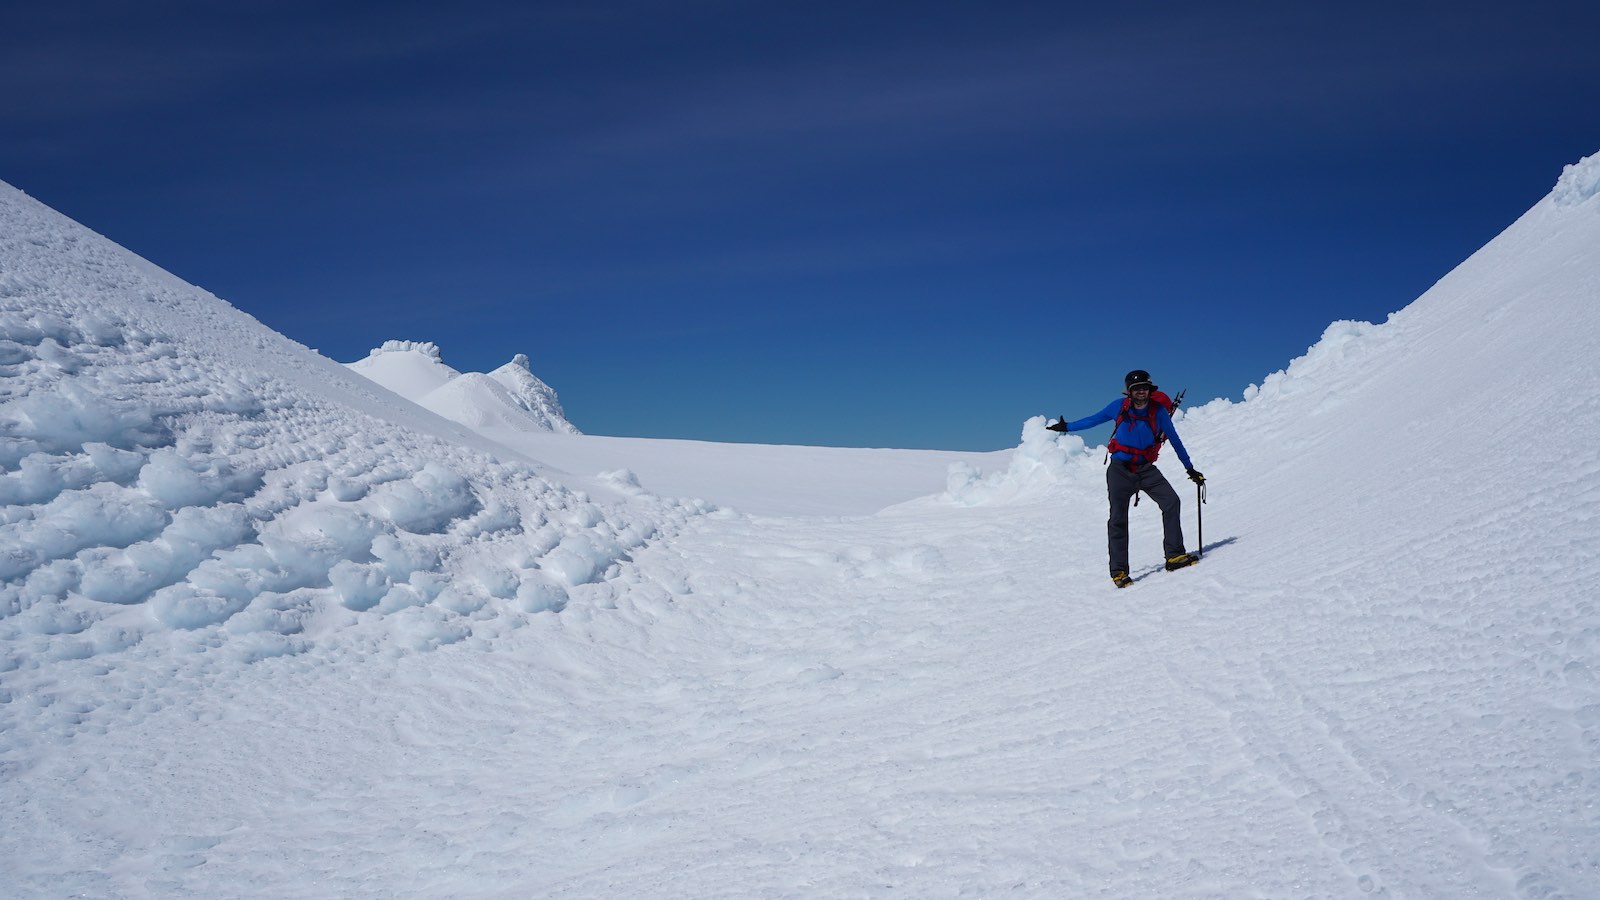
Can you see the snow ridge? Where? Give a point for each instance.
(177, 479)
(533, 396)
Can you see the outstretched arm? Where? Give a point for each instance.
(1090, 421)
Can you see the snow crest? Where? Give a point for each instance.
(1579, 182)
(426, 348)
(1341, 344)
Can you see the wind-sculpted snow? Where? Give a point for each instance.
(177, 480)
(428, 349)
(1041, 462)
(533, 396)
(1579, 182)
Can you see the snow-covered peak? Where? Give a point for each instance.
(511, 397)
(409, 368)
(533, 396)
(483, 404)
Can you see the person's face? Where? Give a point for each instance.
(1140, 394)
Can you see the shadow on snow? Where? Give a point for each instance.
(1203, 551)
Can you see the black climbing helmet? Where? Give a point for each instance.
(1137, 376)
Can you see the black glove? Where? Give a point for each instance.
(1060, 425)
(1195, 476)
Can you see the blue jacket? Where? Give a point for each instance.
(1134, 432)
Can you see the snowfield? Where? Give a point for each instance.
(268, 628)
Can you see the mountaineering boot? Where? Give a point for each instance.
(1181, 560)
(1121, 579)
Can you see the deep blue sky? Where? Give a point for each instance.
(906, 224)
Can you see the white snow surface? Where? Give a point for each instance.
(509, 398)
(759, 479)
(266, 630)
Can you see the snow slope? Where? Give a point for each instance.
(1381, 681)
(510, 398)
(182, 483)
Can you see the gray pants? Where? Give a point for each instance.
(1121, 486)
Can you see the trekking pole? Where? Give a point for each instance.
(1200, 519)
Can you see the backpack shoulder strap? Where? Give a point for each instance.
(1139, 454)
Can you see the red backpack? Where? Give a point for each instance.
(1143, 454)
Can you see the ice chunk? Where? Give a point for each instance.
(177, 481)
(188, 607)
(580, 558)
(537, 594)
(69, 414)
(359, 585)
(427, 502)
